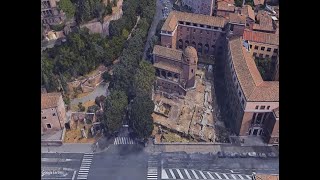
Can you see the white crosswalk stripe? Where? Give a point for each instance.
(196, 174)
(152, 166)
(85, 166)
(123, 140)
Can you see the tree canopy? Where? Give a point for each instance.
(68, 8)
(144, 78)
(115, 107)
(141, 119)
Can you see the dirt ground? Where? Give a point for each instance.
(192, 115)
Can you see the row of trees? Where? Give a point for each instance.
(133, 78)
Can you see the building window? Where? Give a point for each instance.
(201, 25)
(54, 114)
(275, 50)
(254, 54)
(44, 117)
(239, 93)
(268, 107)
(267, 56)
(49, 126)
(191, 70)
(250, 46)
(215, 27)
(209, 27)
(260, 55)
(268, 49)
(257, 107)
(201, 31)
(187, 23)
(195, 24)
(180, 22)
(276, 140)
(256, 47)
(262, 107)
(194, 30)
(262, 48)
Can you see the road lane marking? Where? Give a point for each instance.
(225, 176)
(217, 175)
(164, 174)
(74, 175)
(172, 174)
(233, 176)
(194, 173)
(210, 175)
(240, 176)
(181, 177)
(248, 176)
(187, 173)
(203, 176)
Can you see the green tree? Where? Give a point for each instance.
(93, 109)
(238, 3)
(140, 115)
(106, 76)
(109, 9)
(115, 2)
(81, 107)
(115, 109)
(125, 33)
(68, 8)
(144, 78)
(83, 12)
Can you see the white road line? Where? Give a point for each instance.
(194, 173)
(225, 176)
(164, 174)
(240, 176)
(122, 138)
(181, 177)
(248, 176)
(204, 177)
(74, 175)
(187, 173)
(172, 174)
(210, 175)
(217, 175)
(233, 176)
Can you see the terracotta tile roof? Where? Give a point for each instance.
(251, 82)
(175, 16)
(228, 1)
(225, 6)
(50, 100)
(167, 66)
(248, 11)
(258, 2)
(237, 18)
(261, 37)
(267, 177)
(265, 22)
(167, 52)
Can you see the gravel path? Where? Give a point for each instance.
(100, 90)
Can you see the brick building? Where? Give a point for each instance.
(200, 6)
(223, 9)
(50, 14)
(266, 23)
(248, 12)
(253, 102)
(175, 69)
(53, 112)
(204, 33)
(263, 45)
(237, 24)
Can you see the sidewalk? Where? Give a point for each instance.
(68, 148)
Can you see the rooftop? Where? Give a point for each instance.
(175, 16)
(267, 177)
(167, 52)
(276, 112)
(248, 11)
(167, 66)
(225, 6)
(237, 18)
(251, 82)
(265, 22)
(258, 2)
(261, 37)
(49, 100)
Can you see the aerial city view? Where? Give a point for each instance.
(159, 89)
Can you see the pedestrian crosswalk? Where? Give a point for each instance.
(196, 174)
(152, 168)
(85, 166)
(123, 140)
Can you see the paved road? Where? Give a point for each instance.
(120, 162)
(65, 165)
(157, 17)
(100, 90)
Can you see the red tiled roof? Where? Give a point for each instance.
(261, 37)
(237, 18)
(248, 11)
(224, 6)
(50, 100)
(258, 2)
